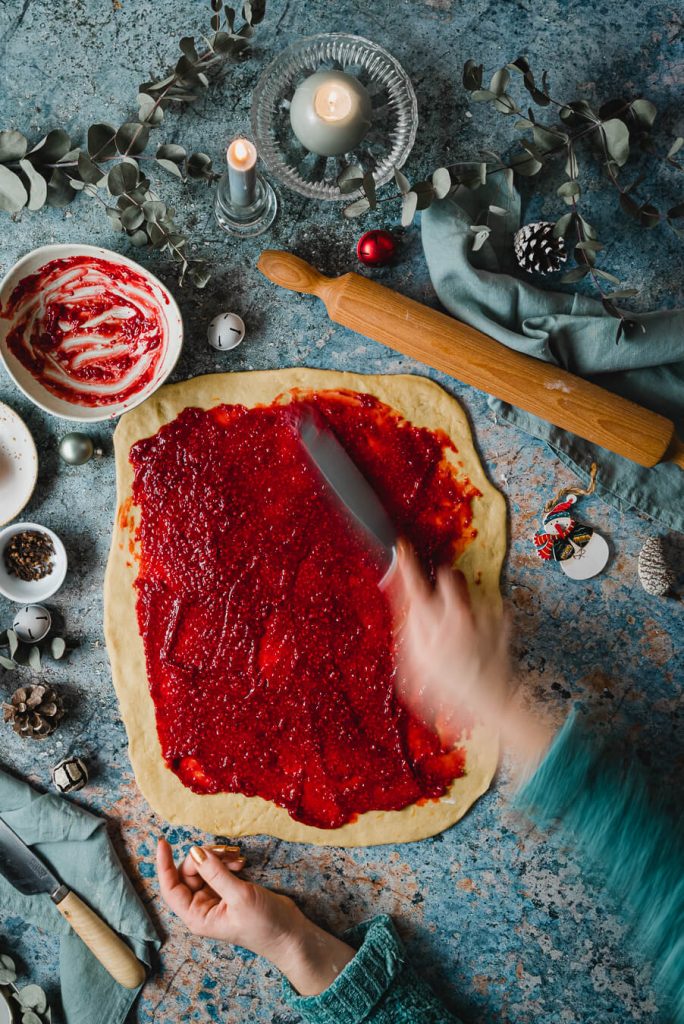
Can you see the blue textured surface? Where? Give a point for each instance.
(495, 916)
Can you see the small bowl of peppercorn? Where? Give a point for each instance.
(33, 563)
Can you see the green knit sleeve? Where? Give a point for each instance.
(621, 829)
(378, 986)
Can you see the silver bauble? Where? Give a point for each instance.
(656, 575)
(77, 448)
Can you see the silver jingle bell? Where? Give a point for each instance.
(70, 774)
(77, 448)
(32, 623)
(226, 331)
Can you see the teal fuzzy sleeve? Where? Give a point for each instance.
(621, 830)
(377, 987)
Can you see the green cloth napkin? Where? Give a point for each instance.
(572, 331)
(75, 844)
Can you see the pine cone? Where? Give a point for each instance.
(536, 248)
(34, 711)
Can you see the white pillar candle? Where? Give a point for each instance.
(330, 113)
(242, 157)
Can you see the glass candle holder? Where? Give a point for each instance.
(245, 221)
(393, 114)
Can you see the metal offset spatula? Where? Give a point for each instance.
(29, 875)
(350, 486)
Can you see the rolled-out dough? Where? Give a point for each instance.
(424, 404)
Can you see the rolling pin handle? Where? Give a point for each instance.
(292, 272)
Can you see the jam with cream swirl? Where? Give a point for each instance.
(92, 331)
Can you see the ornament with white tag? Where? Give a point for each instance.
(580, 550)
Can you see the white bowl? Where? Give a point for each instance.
(36, 391)
(31, 591)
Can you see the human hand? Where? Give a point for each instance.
(207, 895)
(451, 660)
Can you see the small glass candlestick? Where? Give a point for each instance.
(246, 221)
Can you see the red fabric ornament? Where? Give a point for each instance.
(376, 248)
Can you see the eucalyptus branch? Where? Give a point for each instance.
(615, 128)
(55, 170)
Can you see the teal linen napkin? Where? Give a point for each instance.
(75, 844)
(573, 331)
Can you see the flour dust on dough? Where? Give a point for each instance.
(424, 404)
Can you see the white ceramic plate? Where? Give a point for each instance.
(18, 464)
(36, 391)
(32, 591)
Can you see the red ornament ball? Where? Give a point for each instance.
(376, 248)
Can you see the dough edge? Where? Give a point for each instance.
(423, 403)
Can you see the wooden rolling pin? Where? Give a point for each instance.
(446, 344)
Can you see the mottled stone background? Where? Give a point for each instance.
(499, 919)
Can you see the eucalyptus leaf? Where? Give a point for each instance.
(629, 205)
(199, 164)
(472, 75)
(13, 195)
(649, 215)
(170, 151)
(569, 191)
(55, 145)
(171, 166)
(122, 178)
(60, 191)
(616, 136)
(506, 105)
(224, 43)
(57, 647)
(624, 293)
(34, 658)
(32, 996)
(526, 164)
(606, 276)
(88, 170)
(148, 109)
(114, 219)
(499, 82)
(590, 245)
(154, 210)
(676, 211)
(369, 189)
(13, 145)
(10, 666)
(132, 138)
(441, 182)
(675, 147)
(187, 45)
(157, 235)
(409, 205)
(101, 142)
(30, 1017)
(571, 165)
(12, 642)
(131, 218)
(356, 208)
(139, 238)
(37, 185)
(482, 95)
(402, 181)
(576, 274)
(199, 274)
(644, 111)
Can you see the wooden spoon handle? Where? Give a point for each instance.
(112, 952)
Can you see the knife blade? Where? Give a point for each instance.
(23, 868)
(27, 873)
(350, 486)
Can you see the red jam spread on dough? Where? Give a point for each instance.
(93, 332)
(267, 640)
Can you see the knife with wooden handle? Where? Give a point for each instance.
(27, 873)
(446, 344)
